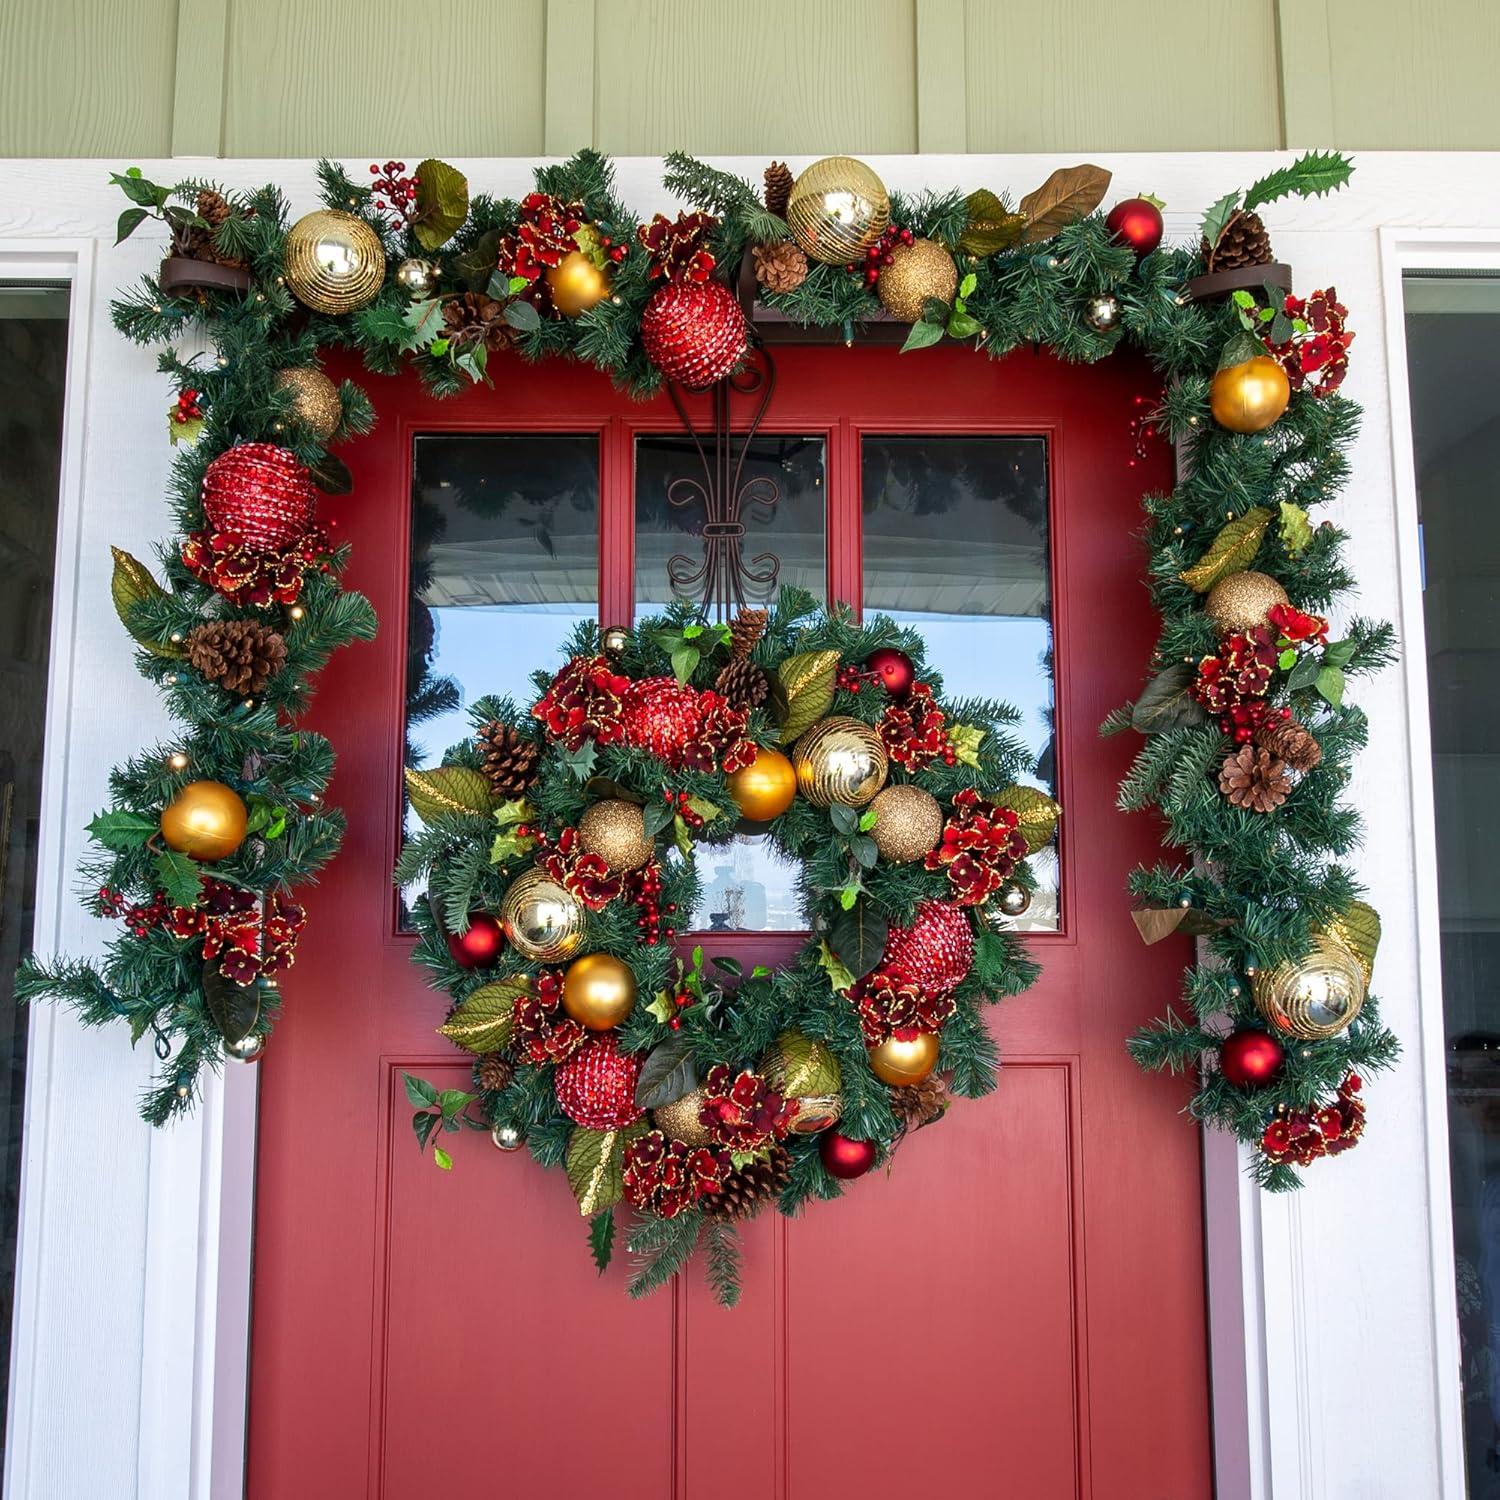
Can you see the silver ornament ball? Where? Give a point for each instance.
(1013, 900)
(1102, 313)
(416, 277)
(508, 1137)
(247, 1049)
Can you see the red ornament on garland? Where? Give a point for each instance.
(1136, 222)
(936, 951)
(1251, 1058)
(596, 1086)
(694, 332)
(479, 947)
(843, 1156)
(661, 715)
(893, 668)
(260, 492)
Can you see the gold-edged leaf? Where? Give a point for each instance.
(1069, 194)
(130, 584)
(596, 1165)
(1231, 551)
(1037, 812)
(442, 203)
(1358, 930)
(484, 1021)
(803, 1066)
(991, 226)
(447, 789)
(966, 740)
(807, 682)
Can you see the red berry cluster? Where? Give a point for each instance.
(852, 678)
(881, 254)
(1302, 1136)
(643, 887)
(395, 193)
(138, 917)
(187, 409)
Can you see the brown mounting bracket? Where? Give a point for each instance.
(1215, 284)
(771, 326)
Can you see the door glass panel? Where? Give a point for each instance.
(956, 545)
(769, 532)
(1453, 354)
(33, 363)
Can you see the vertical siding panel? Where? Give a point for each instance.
(198, 97)
(571, 64)
(942, 84)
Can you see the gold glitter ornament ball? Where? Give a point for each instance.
(680, 1121)
(315, 400)
(908, 823)
(333, 261)
(1316, 997)
(615, 831)
(838, 208)
(917, 271)
(540, 918)
(1242, 601)
(840, 760)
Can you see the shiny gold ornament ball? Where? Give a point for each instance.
(577, 284)
(908, 823)
(680, 1121)
(799, 1068)
(840, 760)
(1242, 601)
(905, 1063)
(615, 639)
(416, 277)
(917, 271)
(598, 991)
(205, 820)
(1013, 901)
(1316, 997)
(615, 831)
(765, 788)
(837, 209)
(1250, 396)
(333, 261)
(1102, 313)
(315, 401)
(541, 920)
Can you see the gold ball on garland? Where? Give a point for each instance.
(508, 1137)
(315, 401)
(1316, 997)
(416, 277)
(765, 788)
(541, 920)
(1242, 601)
(903, 1063)
(577, 284)
(680, 1121)
(333, 261)
(614, 639)
(615, 831)
(598, 991)
(799, 1068)
(837, 209)
(1249, 396)
(840, 760)
(1102, 313)
(206, 820)
(917, 271)
(908, 823)
(1012, 901)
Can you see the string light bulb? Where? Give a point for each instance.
(178, 761)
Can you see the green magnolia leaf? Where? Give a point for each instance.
(475, 267)
(1167, 702)
(655, 816)
(807, 684)
(685, 661)
(991, 226)
(1330, 685)
(669, 1072)
(447, 789)
(442, 203)
(962, 326)
(595, 1165)
(1231, 551)
(522, 316)
(130, 584)
(1038, 814)
(1218, 217)
(1294, 528)
(1304, 674)
(922, 336)
(1338, 653)
(128, 223)
(602, 1238)
(966, 740)
(419, 1091)
(844, 818)
(235, 1008)
(483, 1022)
(122, 830)
(857, 938)
(180, 877)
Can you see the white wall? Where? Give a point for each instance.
(123, 1316)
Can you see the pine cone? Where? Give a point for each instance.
(743, 684)
(748, 1189)
(495, 1072)
(1291, 742)
(476, 319)
(745, 630)
(922, 1103)
(242, 656)
(779, 267)
(1244, 242)
(778, 179)
(1254, 778)
(510, 759)
(213, 206)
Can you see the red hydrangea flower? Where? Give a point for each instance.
(543, 236)
(664, 1176)
(1297, 626)
(1241, 671)
(1302, 1136)
(981, 846)
(242, 575)
(912, 730)
(584, 702)
(542, 1033)
(744, 1112)
(679, 247)
(586, 876)
(891, 1003)
(1316, 360)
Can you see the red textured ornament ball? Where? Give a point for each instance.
(843, 1156)
(261, 492)
(1251, 1058)
(659, 714)
(596, 1086)
(1136, 222)
(694, 332)
(937, 950)
(480, 946)
(893, 668)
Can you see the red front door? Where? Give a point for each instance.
(1015, 1309)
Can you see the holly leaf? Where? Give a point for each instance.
(131, 584)
(857, 938)
(447, 789)
(484, 1020)
(682, 836)
(835, 968)
(183, 432)
(602, 1238)
(442, 203)
(922, 335)
(580, 762)
(234, 1007)
(966, 740)
(423, 322)
(669, 1072)
(807, 682)
(121, 830)
(1287, 660)
(1310, 176)
(1037, 812)
(1167, 702)
(991, 226)
(1217, 218)
(1231, 551)
(662, 1007)
(1294, 528)
(705, 809)
(180, 877)
(1330, 685)
(1069, 194)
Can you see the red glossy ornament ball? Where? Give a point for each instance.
(480, 946)
(596, 1086)
(262, 493)
(893, 668)
(936, 951)
(1136, 222)
(1251, 1058)
(694, 332)
(843, 1156)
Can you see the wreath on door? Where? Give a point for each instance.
(559, 854)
